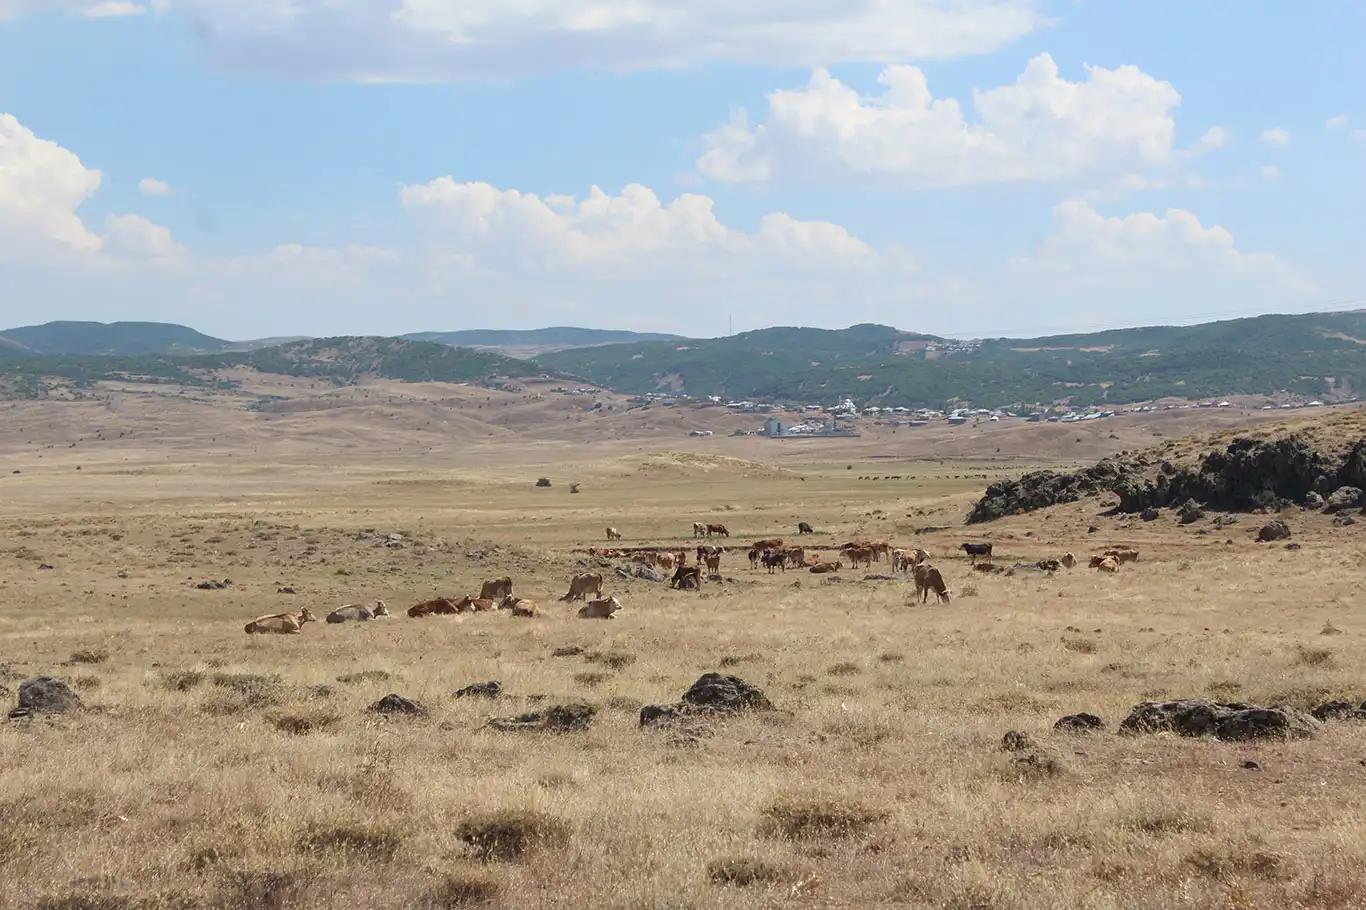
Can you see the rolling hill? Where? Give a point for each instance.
(535, 342)
(123, 339)
(343, 360)
(1315, 355)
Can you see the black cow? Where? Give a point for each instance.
(975, 550)
(687, 578)
(774, 559)
(804, 528)
(704, 552)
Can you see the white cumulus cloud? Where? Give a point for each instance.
(1336, 123)
(435, 40)
(91, 9)
(150, 186)
(1040, 128)
(630, 231)
(111, 9)
(1276, 138)
(135, 236)
(42, 185)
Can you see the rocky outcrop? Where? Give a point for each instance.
(1234, 721)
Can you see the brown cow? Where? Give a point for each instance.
(796, 556)
(687, 578)
(1122, 554)
(880, 548)
(497, 589)
(713, 563)
(580, 586)
(665, 560)
(468, 604)
(927, 579)
(1108, 564)
(717, 531)
(280, 623)
(600, 609)
(825, 568)
(613, 534)
(520, 606)
(704, 552)
(1068, 560)
(857, 555)
(775, 543)
(441, 606)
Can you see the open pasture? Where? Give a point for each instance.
(216, 769)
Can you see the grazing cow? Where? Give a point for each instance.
(880, 549)
(804, 528)
(280, 623)
(825, 568)
(974, 550)
(441, 606)
(796, 557)
(927, 579)
(1068, 560)
(717, 531)
(600, 609)
(520, 606)
(358, 612)
(857, 555)
(580, 586)
(699, 529)
(613, 534)
(774, 559)
(497, 589)
(1123, 554)
(1108, 564)
(687, 578)
(713, 563)
(704, 552)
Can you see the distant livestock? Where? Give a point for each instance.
(440, 606)
(613, 534)
(687, 578)
(927, 579)
(600, 609)
(976, 550)
(804, 528)
(496, 589)
(280, 623)
(358, 612)
(580, 586)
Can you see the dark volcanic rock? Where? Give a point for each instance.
(1343, 521)
(1190, 512)
(1274, 530)
(1312, 500)
(568, 718)
(490, 689)
(1235, 721)
(397, 704)
(46, 695)
(1079, 723)
(1339, 710)
(718, 692)
(1148, 514)
(658, 715)
(1343, 498)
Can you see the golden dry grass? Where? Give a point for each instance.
(216, 769)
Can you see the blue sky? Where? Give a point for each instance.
(974, 167)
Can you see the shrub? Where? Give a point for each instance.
(508, 835)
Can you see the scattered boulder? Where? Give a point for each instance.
(1312, 500)
(490, 689)
(1189, 512)
(1274, 530)
(568, 718)
(718, 692)
(1339, 710)
(1343, 498)
(46, 695)
(1079, 723)
(397, 704)
(214, 585)
(1343, 521)
(1016, 741)
(1223, 521)
(658, 715)
(1233, 721)
(1149, 514)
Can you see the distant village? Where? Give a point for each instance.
(844, 419)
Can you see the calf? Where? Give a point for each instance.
(713, 563)
(520, 606)
(280, 623)
(580, 586)
(600, 609)
(825, 568)
(804, 528)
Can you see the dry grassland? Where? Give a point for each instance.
(216, 769)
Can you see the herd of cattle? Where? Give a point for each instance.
(773, 555)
